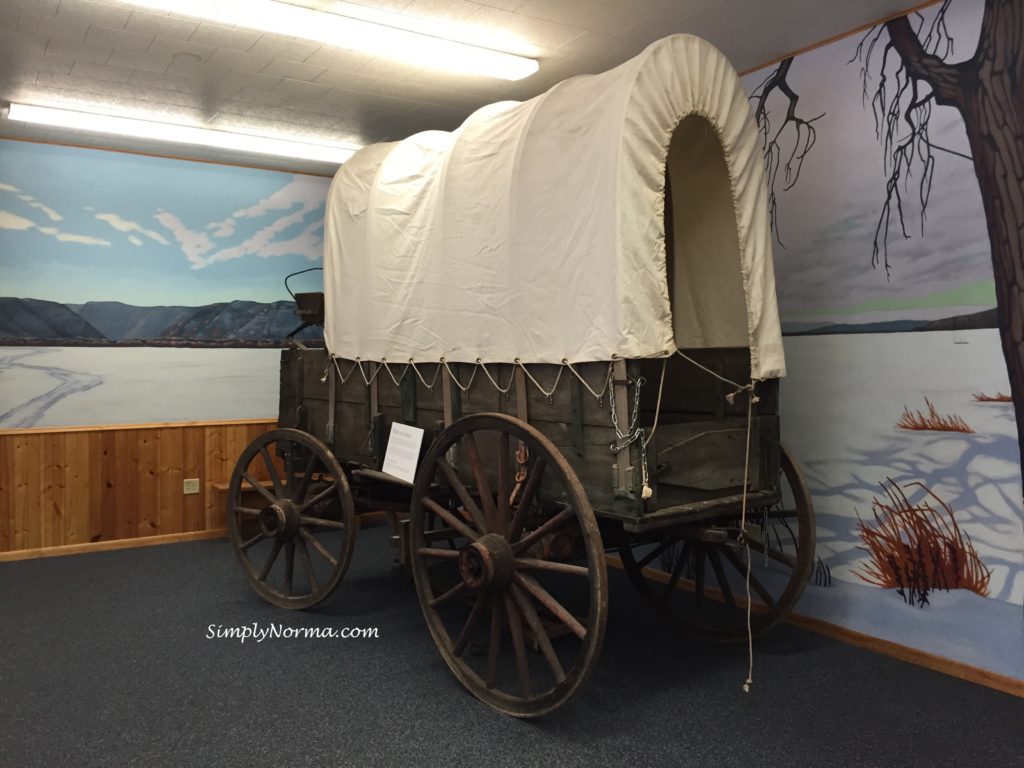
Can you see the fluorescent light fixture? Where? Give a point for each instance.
(352, 33)
(181, 134)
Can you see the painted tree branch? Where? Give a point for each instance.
(803, 130)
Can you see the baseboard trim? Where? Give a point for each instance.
(958, 669)
(105, 546)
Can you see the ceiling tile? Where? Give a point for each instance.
(52, 27)
(86, 12)
(288, 48)
(175, 48)
(144, 22)
(509, 30)
(78, 51)
(101, 72)
(232, 38)
(136, 60)
(118, 38)
(293, 69)
(299, 88)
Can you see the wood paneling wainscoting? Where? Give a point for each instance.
(80, 485)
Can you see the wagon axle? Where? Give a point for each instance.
(487, 563)
(280, 519)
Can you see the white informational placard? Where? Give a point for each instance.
(403, 451)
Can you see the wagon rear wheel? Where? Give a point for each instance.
(696, 575)
(508, 563)
(290, 518)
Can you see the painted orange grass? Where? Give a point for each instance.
(918, 548)
(998, 397)
(932, 420)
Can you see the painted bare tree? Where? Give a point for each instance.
(907, 60)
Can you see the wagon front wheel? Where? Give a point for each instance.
(290, 518)
(508, 563)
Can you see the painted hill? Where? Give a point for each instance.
(234, 323)
(983, 319)
(118, 321)
(38, 319)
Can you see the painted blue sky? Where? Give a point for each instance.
(81, 225)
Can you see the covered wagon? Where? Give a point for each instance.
(573, 298)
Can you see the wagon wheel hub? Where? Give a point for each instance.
(487, 563)
(280, 519)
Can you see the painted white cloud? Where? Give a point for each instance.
(10, 220)
(296, 200)
(134, 240)
(194, 244)
(224, 228)
(124, 225)
(307, 192)
(51, 214)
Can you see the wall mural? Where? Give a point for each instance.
(896, 161)
(141, 289)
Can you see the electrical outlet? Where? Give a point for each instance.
(191, 486)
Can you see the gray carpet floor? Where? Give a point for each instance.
(104, 661)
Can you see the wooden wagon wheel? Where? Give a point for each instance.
(302, 511)
(508, 563)
(700, 575)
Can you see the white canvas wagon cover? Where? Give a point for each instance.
(536, 230)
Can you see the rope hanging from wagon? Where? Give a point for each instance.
(752, 399)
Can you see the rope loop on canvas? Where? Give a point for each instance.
(433, 381)
(537, 384)
(511, 379)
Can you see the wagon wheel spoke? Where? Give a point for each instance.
(258, 487)
(698, 593)
(289, 467)
(534, 622)
(289, 566)
(494, 644)
(468, 628)
(504, 458)
(315, 543)
(723, 582)
(550, 603)
(275, 479)
(519, 646)
(533, 479)
(677, 571)
(246, 511)
(254, 540)
(326, 493)
(278, 543)
(534, 564)
(455, 591)
(457, 485)
(746, 572)
(337, 525)
(440, 554)
(774, 554)
(449, 518)
(307, 477)
(549, 526)
(649, 557)
(482, 484)
(307, 565)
